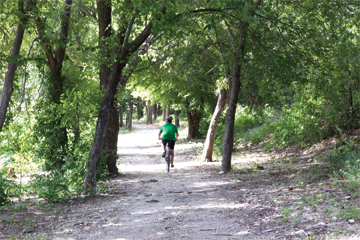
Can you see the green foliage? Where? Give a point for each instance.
(204, 124)
(59, 125)
(60, 184)
(253, 126)
(344, 161)
(300, 125)
(5, 187)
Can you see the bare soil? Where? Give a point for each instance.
(283, 195)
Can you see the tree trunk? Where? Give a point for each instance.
(155, 111)
(8, 89)
(146, 112)
(127, 119)
(149, 115)
(101, 127)
(122, 57)
(112, 131)
(111, 141)
(121, 115)
(138, 108)
(177, 120)
(168, 111)
(55, 61)
(230, 115)
(104, 22)
(194, 118)
(164, 114)
(223, 98)
(76, 129)
(130, 113)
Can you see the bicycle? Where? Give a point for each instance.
(167, 157)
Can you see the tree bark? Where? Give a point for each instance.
(127, 119)
(149, 115)
(112, 131)
(155, 111)
(168, 111)
(194, 118)
(223, 98)
(146, 112)
(130, 112)
(8, 89)
(121, 120)
(164, 114)
(104, 22)
(111, 140)
(177, 120)
(138, 108)
(230, 116)
(76, 129)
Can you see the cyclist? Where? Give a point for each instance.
(170, 135)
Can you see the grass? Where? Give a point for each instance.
(351, 212)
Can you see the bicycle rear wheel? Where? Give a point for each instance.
(167, 159)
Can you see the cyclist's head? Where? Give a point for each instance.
(169, 119)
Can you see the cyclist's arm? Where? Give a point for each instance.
(159, 137)
(176, 136)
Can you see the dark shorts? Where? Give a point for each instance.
(171, 143)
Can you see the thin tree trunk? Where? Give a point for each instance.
(130, 112)
(8, 89)
(155, 111)
(138, 108)
(127, 119)
(76, 130)
(149, 115)
(168, 111)
(223, 98)
(230, 116)
(177, 120)
(146, 112)
(121, 115)
(164, 114)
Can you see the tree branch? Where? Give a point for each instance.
(128, 31)
(24, 79)
(60, 53)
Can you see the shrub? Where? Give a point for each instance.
(204, 126)
(60, 184)
(8, 189)
(344, 161)
(4, 197)
(301, 125)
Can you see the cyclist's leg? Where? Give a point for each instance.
(172, 156)
(172, 152)
(164, 147)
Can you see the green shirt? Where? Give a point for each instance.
(168, 130)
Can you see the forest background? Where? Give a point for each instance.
(281, 74)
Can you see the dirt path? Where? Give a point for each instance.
(187, 203)
(285, 200)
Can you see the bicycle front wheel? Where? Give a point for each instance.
(168, 160)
